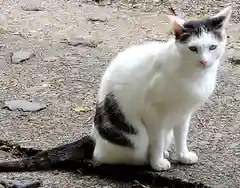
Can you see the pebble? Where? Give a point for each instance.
(236, 69)
(23, 105)
(50, 59)
(31, 8)
(21, 56)
(96, 19)
(83, 41)
(27, 183)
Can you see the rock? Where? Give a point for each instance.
(23, 105)
(1, 45)
(236, 69)
(21, 56)
(26, 183)
(234, 56)
(2, 56)
(50, 59)
(32, 8)
(95, 19)
(1, 186)
(8, 57)
(83, 41)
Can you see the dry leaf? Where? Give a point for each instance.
(79, 109)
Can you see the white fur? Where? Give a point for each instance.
(158, 87)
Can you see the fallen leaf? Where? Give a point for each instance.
(79, 109)
(3, 30)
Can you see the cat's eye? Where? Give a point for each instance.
(212, 47)
(193, 48)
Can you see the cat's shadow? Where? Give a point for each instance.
(129, 173)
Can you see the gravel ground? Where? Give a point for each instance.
(65, 77)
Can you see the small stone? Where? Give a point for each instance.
(237, 97)
(32, 8)
(236, 69)
(55, 172)
(24, 105)
(50, 59)
(8, 57)
(96, 19)
(21, 56)
(234, 56)
(83, 41)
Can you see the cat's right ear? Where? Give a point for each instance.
(176, 25)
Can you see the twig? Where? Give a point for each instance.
(138, 184)
(171, 8)
(199, 120)
(88, 120)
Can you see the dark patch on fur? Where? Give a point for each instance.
(115, 116)
(111, 122)
(196, 27)
(218, 35)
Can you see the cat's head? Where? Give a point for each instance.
(202, 41)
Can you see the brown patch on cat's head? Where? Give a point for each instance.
(177, 30)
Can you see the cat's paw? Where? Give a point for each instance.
(161, 164)
(166, 154)
(188, 158)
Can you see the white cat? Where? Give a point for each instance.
(149, 92)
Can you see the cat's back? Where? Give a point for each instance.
(137, 58)
(140, 53)
(131, 70)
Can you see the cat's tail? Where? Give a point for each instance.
(52, 158)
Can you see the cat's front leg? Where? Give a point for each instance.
(157, 151)
(181, 133)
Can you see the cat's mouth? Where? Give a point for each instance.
(205, 64)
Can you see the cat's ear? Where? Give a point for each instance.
(176, 25)
(222, 18)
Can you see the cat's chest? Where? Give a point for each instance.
(196, 90)
(177, 89)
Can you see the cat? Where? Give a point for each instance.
(149, 92)
(146, 98)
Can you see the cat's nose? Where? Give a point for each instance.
(204, 63)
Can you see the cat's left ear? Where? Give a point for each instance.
(176, 25)
(223, 17)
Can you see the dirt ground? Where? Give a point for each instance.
(66, 77)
